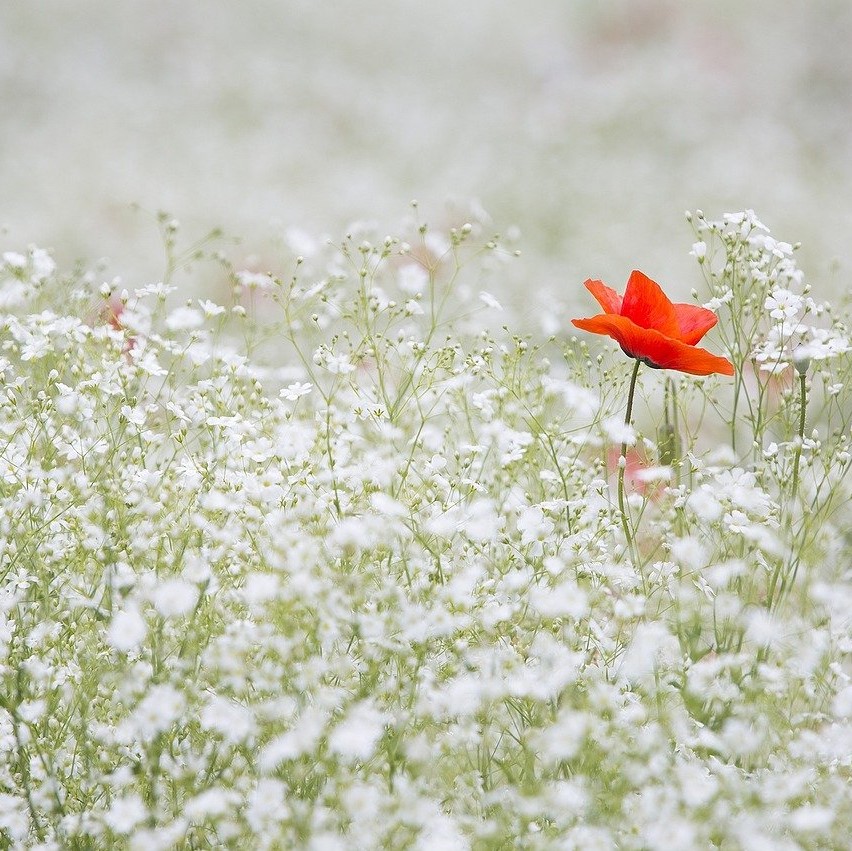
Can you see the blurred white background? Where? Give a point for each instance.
(590, 125)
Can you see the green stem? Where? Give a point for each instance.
(798, 454)
(783, 576)
(622, 465)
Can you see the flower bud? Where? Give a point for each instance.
(668, 445)
(802, 361)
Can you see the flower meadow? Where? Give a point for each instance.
(346, 561)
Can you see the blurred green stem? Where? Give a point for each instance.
(784, 576)
(622, 465)
(798, 454)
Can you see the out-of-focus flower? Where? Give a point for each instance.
(639, 475)
(112, 314)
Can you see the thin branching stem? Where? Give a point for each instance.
(797, 457)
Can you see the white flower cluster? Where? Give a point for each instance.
(370, 589)
(751, 269)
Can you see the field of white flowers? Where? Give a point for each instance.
(341, 536)
(339, 562)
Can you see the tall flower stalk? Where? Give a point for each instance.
(802, 372)
(656, 331)
(622, 465)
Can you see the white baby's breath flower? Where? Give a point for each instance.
(652, 648)
(783, 304)
(761, 627)
(67, 400)
(704, 504)
(534, 526)
(296, 390)
(725, 297)
(260, 588)
(32, 711)
(437, 243)
(812, 820)
(125, 813)
(490, 301)
(480, 520)
(157, 711)
(184, 318)
(146, 361)
(355, 737)
(842, 703)
(159, 290)
(441, 831)
(387, 505)
(566, 599)
(689, 551)
(174, 597)
(43, 265)
(231, 720)
(823, 344)
(127, 630)
(513, 443)
(618, 431)
(211, 803)
(574, 396)
(267, 804)
(336, 364)
(746, 220)
(15, 261)
(565, 737)
(300, 739)
(300, 242)
(412, 278)
(211, 308)
(255, 280)
(135, 416)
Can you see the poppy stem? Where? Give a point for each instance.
(622, 464)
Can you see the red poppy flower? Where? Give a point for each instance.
(650, 328)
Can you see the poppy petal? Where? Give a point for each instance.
(606, 297)
(647, 306)
(603, 323)
(666, 353)
(655, 348)
(694, 322)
